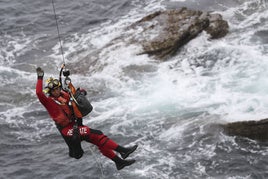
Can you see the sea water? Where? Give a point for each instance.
(167, 108)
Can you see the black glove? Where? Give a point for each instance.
(40, 73)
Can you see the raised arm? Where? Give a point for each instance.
(39, 86)
(52, 107)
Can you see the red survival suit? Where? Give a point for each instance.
(60, 111)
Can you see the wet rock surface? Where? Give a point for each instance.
(162, 33)
(256, 130)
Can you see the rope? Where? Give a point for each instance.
(97, 161)
(58, 31)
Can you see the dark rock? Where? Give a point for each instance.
(217, 27)
(160, 34)
(256, 130)
(164, 32)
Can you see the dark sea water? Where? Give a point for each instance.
(168, 108)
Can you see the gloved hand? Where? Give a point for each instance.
(40, 72)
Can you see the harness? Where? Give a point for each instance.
(72, 101)
(64, 102)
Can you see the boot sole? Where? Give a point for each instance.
(122, 166)
(130, 152)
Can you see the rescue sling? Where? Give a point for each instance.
(80, 103)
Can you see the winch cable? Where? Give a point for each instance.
(63, 59)
(63, 67)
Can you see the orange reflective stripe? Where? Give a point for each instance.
(77, 112)
(72, 88)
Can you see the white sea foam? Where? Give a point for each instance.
(234, 86)
(12, 47)
(162, 106)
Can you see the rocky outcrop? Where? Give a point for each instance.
(256, 130)
(162, 33)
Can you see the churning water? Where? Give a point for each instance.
(168, 108)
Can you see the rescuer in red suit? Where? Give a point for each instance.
(58, 104)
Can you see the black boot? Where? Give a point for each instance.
(125, 152)
(120, 163)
